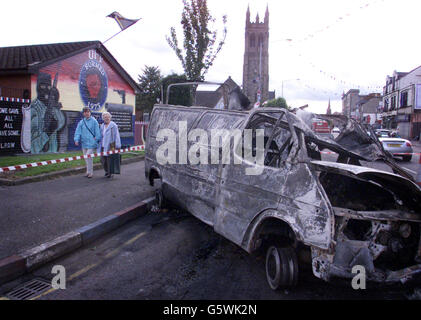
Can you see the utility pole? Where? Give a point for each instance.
(259, 91)
(282, 93)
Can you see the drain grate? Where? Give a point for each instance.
(29, 290)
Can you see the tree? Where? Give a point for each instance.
(277, 103)
(199, 40)
(150, 85)
(179, 95)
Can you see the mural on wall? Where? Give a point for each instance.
(47, 119)
(85, 80)
(93, 84)
(11, 122)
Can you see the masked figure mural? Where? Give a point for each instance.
(47, 119)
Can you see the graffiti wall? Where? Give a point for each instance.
(60, 91)
(14, 115)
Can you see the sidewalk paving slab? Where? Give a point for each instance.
(46, 219)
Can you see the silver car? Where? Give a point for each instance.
(397, 147)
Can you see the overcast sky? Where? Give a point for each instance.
(331, 46)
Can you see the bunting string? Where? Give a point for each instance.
(327, 27)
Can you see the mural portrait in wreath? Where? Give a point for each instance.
(93, 85)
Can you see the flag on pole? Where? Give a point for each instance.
(123, 23)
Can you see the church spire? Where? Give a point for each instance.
(329, 111)
(257, 18)
(267, 14)
(248, 14)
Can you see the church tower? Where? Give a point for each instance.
(256, 58)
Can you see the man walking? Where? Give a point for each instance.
(88, 133)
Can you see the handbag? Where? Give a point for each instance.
(114, 163)
(114, 159)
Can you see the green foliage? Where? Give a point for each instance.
(150, 85)
(277, 103)
(199, 40)
(179, 95)
(25, 159)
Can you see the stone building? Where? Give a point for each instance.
(256, 59)
(349, 103)
(369, 109)
(359, 107)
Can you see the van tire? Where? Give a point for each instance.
(160, 199)
(281, 267)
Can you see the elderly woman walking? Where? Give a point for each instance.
(109, 142)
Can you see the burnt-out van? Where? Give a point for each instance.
(282, 198)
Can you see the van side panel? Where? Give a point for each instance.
(292, 193)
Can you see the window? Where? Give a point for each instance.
(404, 99)
(393, 103)
(252, 40)
(277, 140)
(386, 104)
(260, 40)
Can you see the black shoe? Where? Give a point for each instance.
(110, 176)
(106, 174)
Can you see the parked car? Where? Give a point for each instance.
(339, 215)
(398, 147)
(383, 133)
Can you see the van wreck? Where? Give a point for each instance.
(343, 213)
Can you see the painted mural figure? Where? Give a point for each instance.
(47, 119)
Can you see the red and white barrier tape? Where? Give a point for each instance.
(92, 155)
(7, 99)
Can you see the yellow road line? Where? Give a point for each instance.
(91, 266)
(115, 251)
(4, 298)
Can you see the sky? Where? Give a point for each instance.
(318, 49)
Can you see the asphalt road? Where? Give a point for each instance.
(411, 166)
(174, 256)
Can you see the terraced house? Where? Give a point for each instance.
(402, 103)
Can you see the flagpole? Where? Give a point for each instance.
(121, 31)
(113, 36)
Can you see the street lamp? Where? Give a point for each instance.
(286, 81)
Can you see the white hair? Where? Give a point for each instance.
(106, 114)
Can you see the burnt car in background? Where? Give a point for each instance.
(339, 213)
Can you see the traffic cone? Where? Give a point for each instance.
(418, 179)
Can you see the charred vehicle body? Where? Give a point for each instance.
(344, 214)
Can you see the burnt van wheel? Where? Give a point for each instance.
(159, 199)
(281, 267)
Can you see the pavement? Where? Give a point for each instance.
(43, 220)
(416, 143)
